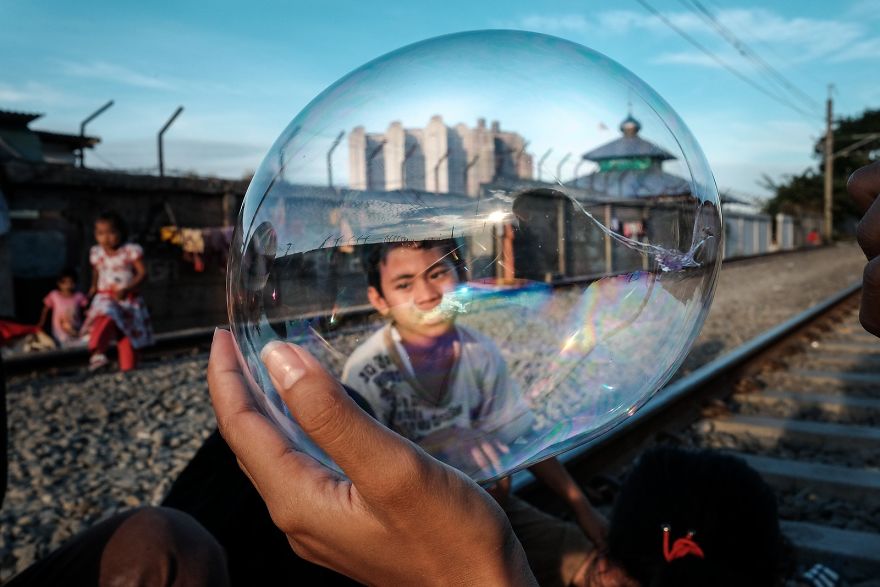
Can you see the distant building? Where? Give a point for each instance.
(631, 168)
(437, 158)
(47, 210)
(19, 141)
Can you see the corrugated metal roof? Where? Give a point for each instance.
(633, 183)
(17, 120)
(67, 139)
(626, 148)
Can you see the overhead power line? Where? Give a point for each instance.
(104, 161)
(780, 58)
(723, 63)
(747, 52)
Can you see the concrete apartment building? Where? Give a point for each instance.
(437, 158)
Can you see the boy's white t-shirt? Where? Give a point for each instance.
(481, 394)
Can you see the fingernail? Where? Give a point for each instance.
(214, 336)
(285, 366)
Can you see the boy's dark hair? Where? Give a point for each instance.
(68, 272)
(727, 505)
(113, 218)
(376, 254)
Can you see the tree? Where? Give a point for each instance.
(804, 193)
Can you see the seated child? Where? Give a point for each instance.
(446, 387)
(66, 305)
(693, 518)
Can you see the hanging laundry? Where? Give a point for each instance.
(633, 230)
(170, 234)
(193, 241)
(201, 246)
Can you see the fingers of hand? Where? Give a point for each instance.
(869, 315)
(868, 231)
(226, 383)
(864, 185)
(373, 457)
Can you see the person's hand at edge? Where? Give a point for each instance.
(864, 186)
(401, 517)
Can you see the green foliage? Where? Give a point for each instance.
(804, 193)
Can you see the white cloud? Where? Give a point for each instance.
(32, 93)
(687, 58)
(620, 21)
(103, 70)
(799, 39)
(8, 94)
(221, 158)
(554, 24)
(864, 9)
(867, 49)
(767, 144)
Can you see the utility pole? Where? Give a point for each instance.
(406, 156)
(376, 150)
(467, 170)
(541, 162)
(829, 166)
(82, 130)
(159, 140)
(559, 167)
(330, 157)
(437, 172)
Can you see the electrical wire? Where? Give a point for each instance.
(724, 64)
(757, 40)
(103, 160)
(747, 52)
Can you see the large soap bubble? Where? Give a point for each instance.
(497, 291)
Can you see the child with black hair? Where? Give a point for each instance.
(118, 311)
(66, 305)
(693, 518)
(446, 387)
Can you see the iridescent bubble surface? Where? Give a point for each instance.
(466, 233)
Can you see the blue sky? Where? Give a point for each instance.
(243, 71)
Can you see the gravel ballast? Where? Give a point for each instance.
(83, 447)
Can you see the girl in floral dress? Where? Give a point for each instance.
(118, 311)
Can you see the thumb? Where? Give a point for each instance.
(361, 446)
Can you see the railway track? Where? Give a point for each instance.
(813, 377)
(167, 344)
(185, 340)
(801, 404)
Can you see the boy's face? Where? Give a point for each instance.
(106, 235)
(66, 285)
(413, 284)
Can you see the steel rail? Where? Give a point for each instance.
(674, 395)
(177, 339)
